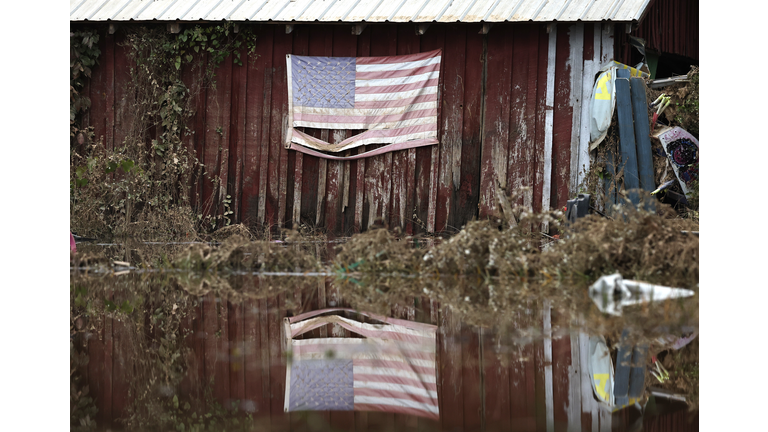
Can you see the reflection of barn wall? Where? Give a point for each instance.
(510, 111)
(482, 384)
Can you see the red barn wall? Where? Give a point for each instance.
(511, 112)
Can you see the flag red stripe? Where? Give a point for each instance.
(396, 409)
(320, 118)
(398, 59)
(344, 349)
(393, 364)
(395, 394)
(395, 380)
(395, 89)
(397, 73)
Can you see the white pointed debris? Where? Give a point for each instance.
(611, 293)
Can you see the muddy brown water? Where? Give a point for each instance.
(154, 347)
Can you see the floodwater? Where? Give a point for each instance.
(161, 346)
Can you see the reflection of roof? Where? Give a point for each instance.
(424, 11)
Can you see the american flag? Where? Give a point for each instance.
(390, 369)
(394, 99)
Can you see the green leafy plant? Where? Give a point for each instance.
(84, 54)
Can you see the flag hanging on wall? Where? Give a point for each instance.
(390, 369)
(394, 99)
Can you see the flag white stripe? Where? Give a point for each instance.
(396, 66)
(375, 355)
(366, 370)
(397, 81)
(351, 355)
(395, 402)
(355, 112)
(394, 96)
(395, 387)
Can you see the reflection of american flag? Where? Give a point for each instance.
(393, 98)
(391, 369)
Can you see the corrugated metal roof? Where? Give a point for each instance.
(424, 11)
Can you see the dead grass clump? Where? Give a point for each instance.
(638, 244)
(233, 230)
(377, 251)
(237, 253)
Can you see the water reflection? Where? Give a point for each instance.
(186, 350)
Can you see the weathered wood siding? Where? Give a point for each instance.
(669, 26)
(511, 112)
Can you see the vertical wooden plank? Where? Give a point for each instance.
(539, 81)
(217, 132)
(519, 169)
(109, 71)
(283, 46)
(108, 371)
(467, 192)
(124, 110)
(451, 122)
(238, 135)
(496, 120)
(427, 157)
(300, 47)
(450, 363)
(496, 381)
(98, 84)
(591, 66)
(607, 43)
(264, 171)
(277, 159)
(404, 162)
(549, 123)
(576, 63)
(254, 96)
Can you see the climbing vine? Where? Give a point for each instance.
(83, 56)
(141, 187)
